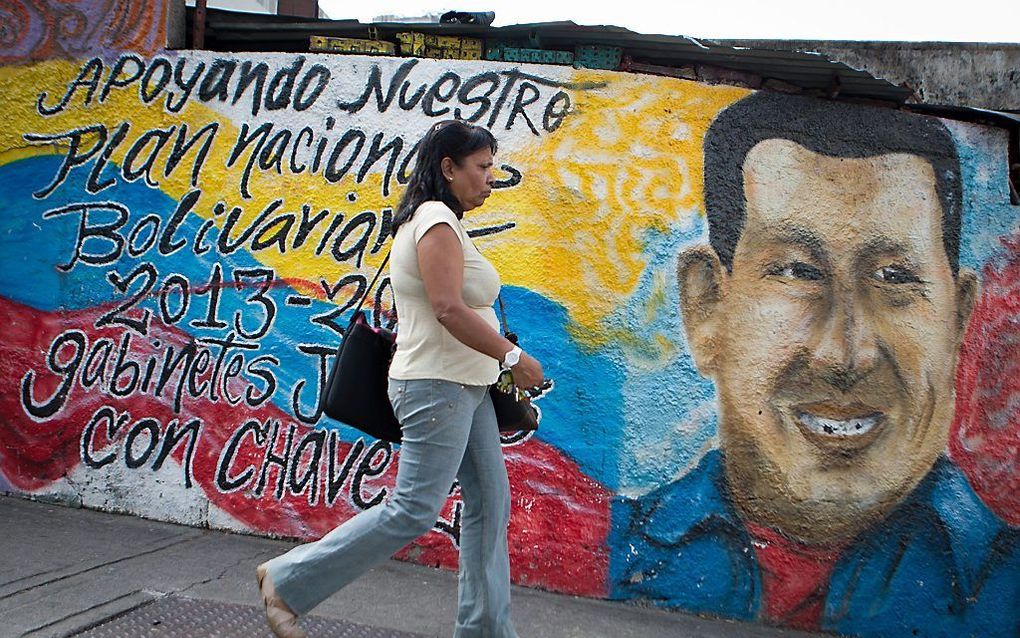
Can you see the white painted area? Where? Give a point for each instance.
(159, 495)
(220, 519)
(349, 76)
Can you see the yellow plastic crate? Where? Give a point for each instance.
(447, 47)
(351, 45)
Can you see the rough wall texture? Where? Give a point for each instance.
(40, 29)
(754, 310)
(985, 76)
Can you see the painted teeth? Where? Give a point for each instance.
(837, 427)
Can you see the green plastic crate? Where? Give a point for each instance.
(596, 56)
(535, 56)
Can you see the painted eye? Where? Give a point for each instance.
(896, 275)
(799, 270)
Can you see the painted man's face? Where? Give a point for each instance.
(833, 341)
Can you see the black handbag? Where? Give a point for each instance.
(356, 391)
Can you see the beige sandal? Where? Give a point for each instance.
(281, 619)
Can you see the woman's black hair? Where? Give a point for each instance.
(451, 138)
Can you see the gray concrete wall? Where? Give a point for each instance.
(962, 74)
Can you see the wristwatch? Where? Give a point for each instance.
(511, 358)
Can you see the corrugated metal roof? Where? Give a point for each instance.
(812, 73)
(1003, 119)
(230, 31)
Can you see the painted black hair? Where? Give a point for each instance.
(828, 128)
(450, 138)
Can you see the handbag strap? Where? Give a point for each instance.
(368, 290)
(511, 337)
(502, 314)
(502, 309)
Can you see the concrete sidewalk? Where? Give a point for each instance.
(64, 571)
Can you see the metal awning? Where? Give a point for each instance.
(810, 72)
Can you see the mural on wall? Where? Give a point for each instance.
(828, 307)
(751, 307)
(193, 232)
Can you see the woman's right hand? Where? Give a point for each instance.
(528, 372)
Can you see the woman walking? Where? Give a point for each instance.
(449, 350)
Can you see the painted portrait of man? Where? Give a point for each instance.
(828, 308)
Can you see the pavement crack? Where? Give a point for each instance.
(108, 563)
(8, 583)
(99, 606)
(223, 572)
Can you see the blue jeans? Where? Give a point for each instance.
(449, 430)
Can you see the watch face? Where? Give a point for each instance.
(512, 357)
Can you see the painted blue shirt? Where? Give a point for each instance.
(941, 564)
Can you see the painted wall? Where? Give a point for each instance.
(752, 413)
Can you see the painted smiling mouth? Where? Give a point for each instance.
(839, 428)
